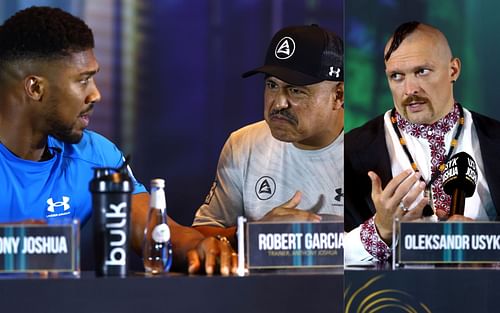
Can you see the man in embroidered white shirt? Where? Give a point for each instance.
(392, 162)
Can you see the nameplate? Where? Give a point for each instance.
(448, 242)
(39, 248)
(294, 245)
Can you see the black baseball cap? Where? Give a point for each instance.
(304, 55)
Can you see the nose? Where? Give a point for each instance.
(94, 95)
(281, 100)
(411, 86)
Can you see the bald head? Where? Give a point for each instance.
(412, 31)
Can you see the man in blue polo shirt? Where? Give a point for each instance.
(47, 95)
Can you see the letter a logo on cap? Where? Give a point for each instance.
(285, 48)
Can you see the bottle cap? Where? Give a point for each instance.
(158, 183)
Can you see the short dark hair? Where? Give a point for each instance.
(43, 33)
(399, 35)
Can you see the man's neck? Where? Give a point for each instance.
(24, 143)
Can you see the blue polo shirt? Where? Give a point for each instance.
(59, 187)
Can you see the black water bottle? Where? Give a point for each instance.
(111, 190)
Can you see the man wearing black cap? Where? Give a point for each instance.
(290, 166)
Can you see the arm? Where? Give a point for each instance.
(371, 240)
(190, 248)
(229, 232)
(285, 212)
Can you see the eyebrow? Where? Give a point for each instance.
(89, 73)
(413, 69)
(286, 85)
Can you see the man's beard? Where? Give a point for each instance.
(57, 129)
(420, 117)
(65, 133)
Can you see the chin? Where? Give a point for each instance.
(71, 138)
(283, 136)
(420, 118)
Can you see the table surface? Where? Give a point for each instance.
(298, 292)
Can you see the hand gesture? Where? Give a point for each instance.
(394, 201)
(288, 212)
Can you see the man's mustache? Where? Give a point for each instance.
(284, 113)
(90, 108)
(414, 98)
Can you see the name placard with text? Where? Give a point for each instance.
(294, 245)
(28, 248)
(448, 242)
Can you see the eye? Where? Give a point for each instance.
(296, 91)
(423, 71)
(85, 80)
(396, 77)
(271, 85)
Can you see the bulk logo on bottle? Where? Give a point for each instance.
(118, 217)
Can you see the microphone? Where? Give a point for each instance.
(459, 180)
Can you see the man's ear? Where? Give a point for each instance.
(34, 87)
(455, 66)
(338, 92)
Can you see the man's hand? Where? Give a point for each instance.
(459, 218)
(288, 212)
(402, 189)
(213, 252)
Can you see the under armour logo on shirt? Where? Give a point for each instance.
(339, 195)
(52, 205)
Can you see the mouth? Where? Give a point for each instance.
(415, 105)
(283, 116)
(84, 117)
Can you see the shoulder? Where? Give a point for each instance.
(255, 131)
(251, 135)
(92, 148)
(365, 134)
(485, 125)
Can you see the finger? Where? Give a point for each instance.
(396, 181)
(193, 260)
(376, 183)
(311, 217)
(294, 201)
(234, 263)
(416, 212)
(413, 193)
(405, 186)
(225, 258)
(211, 250)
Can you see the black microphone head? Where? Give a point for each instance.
(460, 173)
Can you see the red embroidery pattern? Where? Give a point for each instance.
(372, 242)
(434, 134)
